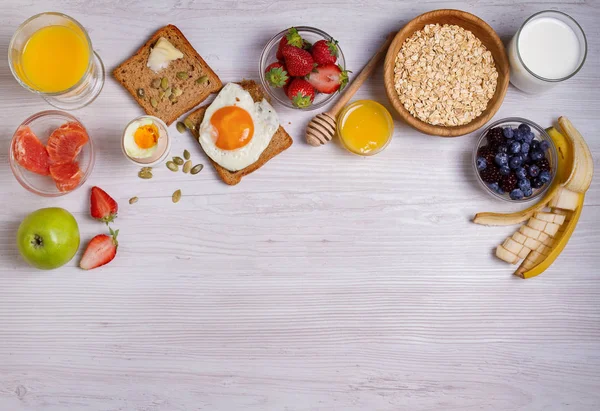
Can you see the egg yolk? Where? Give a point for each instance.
(146, 136)
(232, 127)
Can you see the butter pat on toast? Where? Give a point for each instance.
(134, 75)
(280, 141)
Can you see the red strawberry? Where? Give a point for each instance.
(328, 78)
(324, 51)
(277, 75)
(299, 62)
(101, 250)
(292, 38)
(301, 93)
(102, 206)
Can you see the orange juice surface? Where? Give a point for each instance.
(55, 58)
(365, 127)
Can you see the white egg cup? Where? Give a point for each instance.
(164, 143)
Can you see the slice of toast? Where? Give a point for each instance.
(134, 75)
(280, 141)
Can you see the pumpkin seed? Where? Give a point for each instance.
(197, 168)
(146, 175)
(156, 83)
(146, 168)
(189, 123)
(133, 200)
(153, 102)
(178, 161)
(176, 196)
(141, 93)
(182, 75)
(161, 95)
(187, 166)
(164, 83)
(181, 127)
(177, 91)
(202, 80)
(172, 166)
(168, 92)
(186, 154)
(173, 98)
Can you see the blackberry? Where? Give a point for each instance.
(487, 153)
(495, 136)
(491, 174)
(543, 164)
(508, 183)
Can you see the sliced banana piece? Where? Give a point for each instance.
(536, 224)
(512, 246)
(551, 229)
(519, 237)
(529, 232)
(565, 199)
(505, 255)
(532, 243)
(524, 252)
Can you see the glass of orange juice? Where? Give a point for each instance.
(51, 54)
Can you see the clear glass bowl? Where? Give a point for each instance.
(540, 135)
(43, 124)
(163, 148)
(269, 55)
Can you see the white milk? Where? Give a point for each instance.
(549, 47)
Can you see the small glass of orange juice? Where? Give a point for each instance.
(365, 127)
(51, 54)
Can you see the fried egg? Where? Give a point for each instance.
(236, 130)
(141, 138)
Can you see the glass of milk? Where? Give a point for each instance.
(550, 47)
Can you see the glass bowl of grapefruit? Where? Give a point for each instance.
(51, 153)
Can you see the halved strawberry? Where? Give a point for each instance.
(102, 206)
(101, 250)
(325, 52)
(277, 75)
(293, 38)
(301, 93)
(299, 62)
(328, 78)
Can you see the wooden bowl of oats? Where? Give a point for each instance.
(446, 73)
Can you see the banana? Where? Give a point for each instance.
(529, 232)
(532, 243)
(565, 199)
(528, 270)
(519, 237)
(536, 224)
(580, 177)
(551, 229)
(524, 252)
(512, 246)
(564, 170)
(505, 255)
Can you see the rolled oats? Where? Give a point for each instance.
(444, 75)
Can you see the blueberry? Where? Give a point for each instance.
(535, 145)
(508, 132)
(494, 186)
(545, 176)
(526, 158)
(524, 127)
(515, 162)
(501, 159)
(528, 192)
(524, 184)
(525, 148)
(521, 172)
(536, 155)
(516, 194)
(515, 147)
(544, 145)
(502, 148)
(504, 170)
(519, 135)
(534, 171)
(536, 182)
(528, 138)
(481, 163)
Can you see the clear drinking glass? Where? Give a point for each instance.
(526, 79)
(80, 94)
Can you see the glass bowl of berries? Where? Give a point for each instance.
(302, 68)
(515, 160)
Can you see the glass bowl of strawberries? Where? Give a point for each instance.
(303, 68)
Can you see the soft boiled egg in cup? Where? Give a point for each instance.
(146, 141)
(235, 129)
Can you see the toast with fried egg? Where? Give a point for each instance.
(280, 141)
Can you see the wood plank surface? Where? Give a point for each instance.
(324, 281)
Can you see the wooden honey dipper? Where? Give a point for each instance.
(321, 128)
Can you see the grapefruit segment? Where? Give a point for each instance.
(66, 176)
(66, 142)
(30, 153)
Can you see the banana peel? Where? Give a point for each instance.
(558, 246)
(564, 168)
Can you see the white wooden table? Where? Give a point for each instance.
(322, 282)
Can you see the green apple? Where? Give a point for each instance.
(48, 238)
